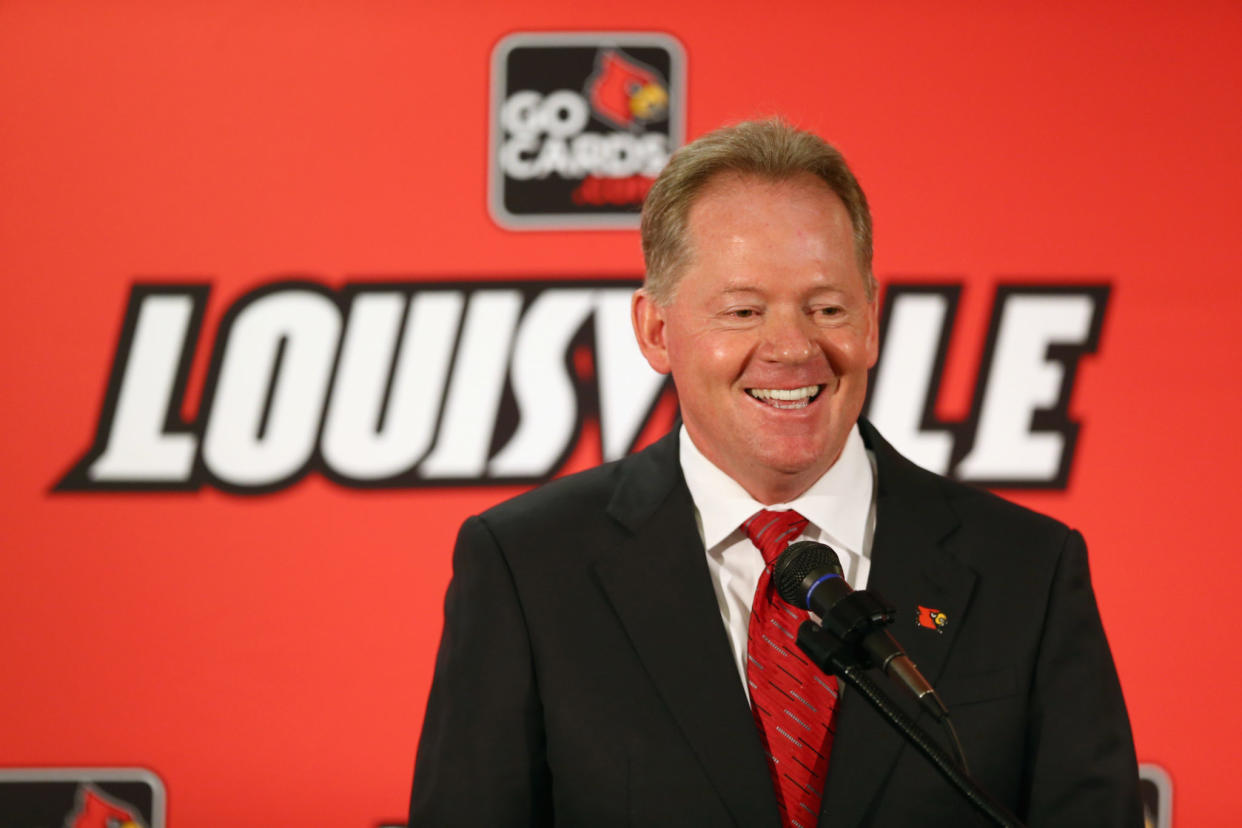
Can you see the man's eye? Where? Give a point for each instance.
(829, 311)
(743, 313)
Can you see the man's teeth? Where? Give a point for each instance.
(785, 397)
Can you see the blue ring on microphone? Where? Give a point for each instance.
(817, 583)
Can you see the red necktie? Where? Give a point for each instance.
(791, 700)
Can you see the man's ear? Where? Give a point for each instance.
(649, 330)
(873, 332)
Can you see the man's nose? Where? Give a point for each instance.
(788, 338)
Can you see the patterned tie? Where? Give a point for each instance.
(792, 702)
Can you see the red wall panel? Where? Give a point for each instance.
(269, 655)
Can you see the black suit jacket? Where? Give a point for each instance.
(585, 678)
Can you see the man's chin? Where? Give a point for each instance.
(793, 463)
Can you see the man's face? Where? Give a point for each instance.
(770, 333)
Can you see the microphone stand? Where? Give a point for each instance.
(837, 656)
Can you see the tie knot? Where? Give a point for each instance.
(771, 532)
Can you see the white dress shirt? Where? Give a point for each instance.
(839, 508)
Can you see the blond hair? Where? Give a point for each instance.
(771, 149)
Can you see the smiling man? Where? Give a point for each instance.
(613, 651)
(769, 331)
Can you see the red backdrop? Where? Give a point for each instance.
(269, 655)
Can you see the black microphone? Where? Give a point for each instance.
(809, 576)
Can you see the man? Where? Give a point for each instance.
(601, 664)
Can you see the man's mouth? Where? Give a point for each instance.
(786, 397)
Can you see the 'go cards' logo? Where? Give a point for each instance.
(581, 126)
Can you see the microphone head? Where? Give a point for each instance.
(799, 561)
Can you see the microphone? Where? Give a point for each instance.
(809, 576)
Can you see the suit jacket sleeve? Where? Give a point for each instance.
(1082, 765)
(481, 755)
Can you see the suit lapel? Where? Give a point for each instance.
(658, 583)
(909, 568)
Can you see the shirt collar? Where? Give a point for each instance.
(837, 504)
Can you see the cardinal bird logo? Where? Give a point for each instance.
(624, 92)
(932, 619)
(97, 810)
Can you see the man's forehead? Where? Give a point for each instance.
(747, 201)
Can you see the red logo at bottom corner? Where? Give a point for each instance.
(81, 798)
(98, 810)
